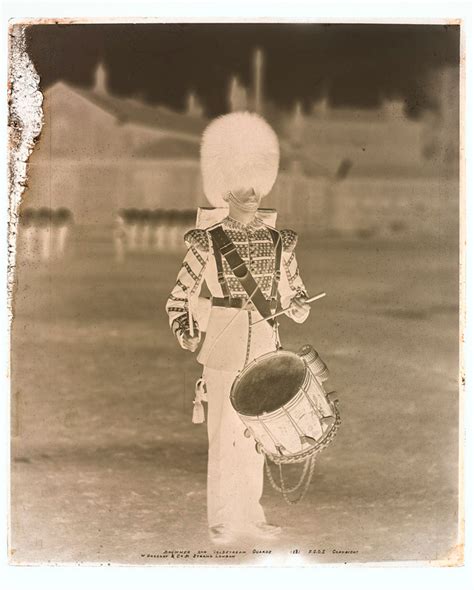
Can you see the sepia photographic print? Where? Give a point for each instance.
(235, 293)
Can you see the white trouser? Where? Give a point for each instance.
(45, 237)
(61, 240)
(235, 469)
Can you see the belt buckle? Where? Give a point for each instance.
(248, 305)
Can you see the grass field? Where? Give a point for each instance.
(107, 466)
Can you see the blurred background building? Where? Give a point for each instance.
(362, 171)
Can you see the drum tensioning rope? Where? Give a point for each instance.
(309, 459)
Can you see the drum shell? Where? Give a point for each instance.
(297, 425)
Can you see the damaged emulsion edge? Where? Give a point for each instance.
(25, 121)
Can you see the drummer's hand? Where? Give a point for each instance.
(299, 309)
(189, 342)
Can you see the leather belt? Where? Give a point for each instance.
(237, 302)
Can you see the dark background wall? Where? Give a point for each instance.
(357, 65)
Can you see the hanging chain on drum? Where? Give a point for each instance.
(310, 462)
(275, 485)
(285, 492)
(308, 471)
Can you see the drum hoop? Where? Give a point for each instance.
(256, 361)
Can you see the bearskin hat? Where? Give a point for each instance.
(239, 151)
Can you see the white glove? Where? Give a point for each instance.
(189, 342)
(299, 309)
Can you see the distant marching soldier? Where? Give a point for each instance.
(28, 232)
(161, 230)
(180, 229)
(239, 163)
(126, 217)
(139, 231)
(56, 223)
(119, 234)
(145, 221)
(189, 220)
(156, 226)
(133, 215)
(62, 221)
(44, 231)
(173, 234)
(167, 219)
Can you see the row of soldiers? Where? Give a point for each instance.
(44, 232)
(146, 230)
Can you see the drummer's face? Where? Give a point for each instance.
(246, 200)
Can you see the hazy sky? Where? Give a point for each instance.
(356, 64)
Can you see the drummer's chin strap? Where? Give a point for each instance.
(227, 248)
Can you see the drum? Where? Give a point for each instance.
(281, 400)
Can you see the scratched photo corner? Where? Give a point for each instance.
(235, 293)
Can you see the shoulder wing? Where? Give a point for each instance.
(289, 239)
(197, 238)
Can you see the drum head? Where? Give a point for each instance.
(268, 384)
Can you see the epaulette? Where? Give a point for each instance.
(197, 238)
(289, 239)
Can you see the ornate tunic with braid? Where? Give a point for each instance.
(231, 341)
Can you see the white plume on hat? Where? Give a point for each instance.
(238, 151)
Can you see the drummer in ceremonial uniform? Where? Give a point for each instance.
(239, 164)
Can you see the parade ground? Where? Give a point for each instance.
(107, 466)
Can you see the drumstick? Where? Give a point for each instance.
(310, 300)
